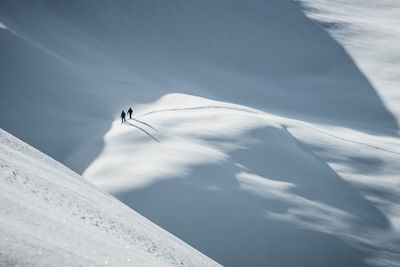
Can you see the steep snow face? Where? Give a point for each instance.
(70, 66)
(249, 188)
(52, 216)
(369, 30)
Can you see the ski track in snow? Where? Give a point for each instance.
(62, 59)
(186, 131)
(261, 113)
(205, 175)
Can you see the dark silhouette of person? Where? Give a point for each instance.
(130, 111)
(123, 116)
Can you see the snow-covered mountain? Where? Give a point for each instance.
(68, 67)
(265, 132)
(51, 216)
(259, 189)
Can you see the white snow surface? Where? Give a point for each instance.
(51, 216)
(369, 30)
(70, 66)
(242, 176)
(301, 171)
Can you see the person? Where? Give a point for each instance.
(123, 116)
(130, 111)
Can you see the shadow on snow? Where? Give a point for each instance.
(208, 209)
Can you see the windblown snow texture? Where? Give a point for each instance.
(369, 30)
(302, 170)
(52, 216)
(250, 188)
(67, 67)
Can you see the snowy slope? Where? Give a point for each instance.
(259, 189)
(69, 66)
(51, 216)
(370, 32)
(301, 171)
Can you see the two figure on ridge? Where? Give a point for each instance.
(123, 114)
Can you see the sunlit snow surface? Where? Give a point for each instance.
(245, 187)
(239, 175)
(370, 32)
(50, 216)
(68, 67)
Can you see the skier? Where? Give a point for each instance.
(123, 116)
(130, 111)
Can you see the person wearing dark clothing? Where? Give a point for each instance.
(123, 116)
(130, 111)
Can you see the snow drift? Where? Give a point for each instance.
(310, 178)
(52, 216)
(249, 188)
(370, 32)
(68, 67)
